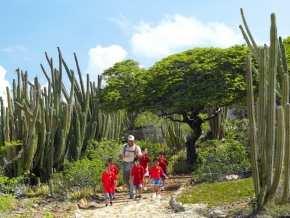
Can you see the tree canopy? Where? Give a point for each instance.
(180, 87)
(197, 79)
(124, 88)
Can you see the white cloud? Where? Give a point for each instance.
(14, 49)
(179, 32)
(3, 84)
(102, 58)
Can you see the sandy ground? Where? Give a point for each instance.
(147, 207)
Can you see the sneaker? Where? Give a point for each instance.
(111, 203)
(162, 188)
(154, 195)
(159, 196)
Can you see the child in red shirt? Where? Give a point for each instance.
(115, 170)
(156, 173)
(144, 160)
(137, 175)
(108, 184)
(163, 164)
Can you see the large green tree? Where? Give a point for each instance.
(187, 84)
(125, 83)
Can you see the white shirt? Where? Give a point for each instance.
(129, 152)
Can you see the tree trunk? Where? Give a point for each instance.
(195, 125)
(216, 123)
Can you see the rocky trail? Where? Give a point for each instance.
(145, 207)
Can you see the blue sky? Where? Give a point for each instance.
(103, 32)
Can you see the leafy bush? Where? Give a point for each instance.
(85, 173)
(178, 164)
(154, 148)
(7, 202)
(10, 185)
(146, 119)
(219, 158)
(103, 150)
(237, 129)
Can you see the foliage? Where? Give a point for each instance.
(154, 148)
(192, 82)
(103, 150)
(10, 185)
(174, 133)
(147, 118)
(7, 202)
(37, 191)
(85, 192)
(221, 193)
(53, 123)
(219, 158)
(178, 164)
(85, 173)
(199, 78)
(286, 43)
(237, 129)
(125, 81)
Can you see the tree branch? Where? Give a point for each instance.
(213, 115)
(169, 116)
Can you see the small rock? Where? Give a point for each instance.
(232, 177)
(217, 213)
(176, 206)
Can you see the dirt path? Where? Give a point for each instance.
(146, 207)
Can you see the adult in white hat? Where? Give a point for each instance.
(129, 152)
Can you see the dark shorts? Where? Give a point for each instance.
(156, 182)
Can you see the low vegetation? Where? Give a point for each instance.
(220, 193)
(7, 202)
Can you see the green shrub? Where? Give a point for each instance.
(154, 148)
(37, 191)
(83, 173)
(237, 129)
(178, 164)
(9, 185)
(219, 158)
(146, 119)
(103, 150)
(7, 202)
(86, 173)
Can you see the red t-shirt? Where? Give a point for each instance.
(108, 181)
(115, 170)
(163, 163)
(156, 172)
(137, 173)
(144, 160)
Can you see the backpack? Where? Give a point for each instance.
(125, 149)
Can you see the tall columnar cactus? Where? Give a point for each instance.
(2, 123)
(54, 123)
(269, 115)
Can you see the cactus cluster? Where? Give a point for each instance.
(269, 115)
(54, 123)
(173, 134)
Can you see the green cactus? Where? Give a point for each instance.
(270, 121)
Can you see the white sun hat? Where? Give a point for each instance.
(131, 138)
